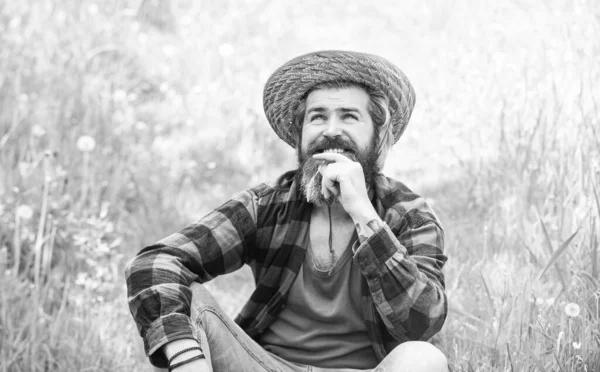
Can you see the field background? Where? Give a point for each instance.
(122, 121)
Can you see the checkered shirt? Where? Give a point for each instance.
(264, 227)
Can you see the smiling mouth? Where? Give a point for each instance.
(336, 150)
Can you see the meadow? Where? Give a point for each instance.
(123, 121)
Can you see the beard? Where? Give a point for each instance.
(310, 179)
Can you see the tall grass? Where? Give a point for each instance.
(114, 133)
(523, 287)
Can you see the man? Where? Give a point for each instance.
(347, 262)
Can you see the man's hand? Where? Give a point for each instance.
(345, 179)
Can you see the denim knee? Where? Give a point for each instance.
(414, 356)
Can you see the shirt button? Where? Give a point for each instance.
(378, 299)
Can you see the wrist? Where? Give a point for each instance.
(177, 346)
(363, 214)
(366, 222)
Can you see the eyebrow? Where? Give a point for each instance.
(341, 109)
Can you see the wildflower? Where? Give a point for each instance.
(226, 50)
(539, 301)
(119, 95)
(559, 339)
(93, 9)
(550, 301)
(38, 131)
(141, 126)
(86, 143)
(14, 23)
(61, 17)
(24, 212)
(572, 309)
(169, 50)
(82, 279)
(186, 20)
(576, 345)
(26, 169)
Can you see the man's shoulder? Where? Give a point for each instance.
(392, 191)
(282, 189)
(397, 198)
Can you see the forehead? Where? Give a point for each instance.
(351, 97)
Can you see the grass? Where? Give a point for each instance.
(504, 142)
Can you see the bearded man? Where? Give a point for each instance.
(347, 262)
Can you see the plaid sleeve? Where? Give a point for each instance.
(158, 278)
(404, 275)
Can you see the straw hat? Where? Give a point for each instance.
(290, 83)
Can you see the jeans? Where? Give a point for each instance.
(228, 348)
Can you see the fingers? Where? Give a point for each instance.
(329, 184)
(333, 157)
(325, 190)
(329, 187)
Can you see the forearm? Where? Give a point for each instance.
(407, 289)
(366, 221)
(159, 296)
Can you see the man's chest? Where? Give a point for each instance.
(327, 238)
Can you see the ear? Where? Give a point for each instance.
(386, 141)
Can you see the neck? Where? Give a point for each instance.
(337, 211)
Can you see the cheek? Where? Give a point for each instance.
(307, 136)
(365, 136)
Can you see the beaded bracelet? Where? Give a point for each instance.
(183, 351)
(197, 357)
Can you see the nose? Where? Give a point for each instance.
(333, 128)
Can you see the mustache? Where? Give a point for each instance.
(331, 143)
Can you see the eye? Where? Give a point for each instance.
(349, 116)
(317, 117)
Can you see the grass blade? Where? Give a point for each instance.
(594, 241)
(470, 367)
(547, 235)
(512, 367)
(532, 255)
(563, 247)
(487, 291)
(535, 359)
(557, 361)
(460, 311)
(551, 249)
(597, 200)
(594, 248)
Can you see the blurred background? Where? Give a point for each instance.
(123, 121)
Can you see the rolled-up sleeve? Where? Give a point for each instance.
(405, 278)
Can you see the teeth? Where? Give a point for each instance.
(334, 150)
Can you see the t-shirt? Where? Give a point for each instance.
(322, 324)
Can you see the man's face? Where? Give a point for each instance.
(335, 120)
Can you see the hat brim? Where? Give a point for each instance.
(290, 83)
